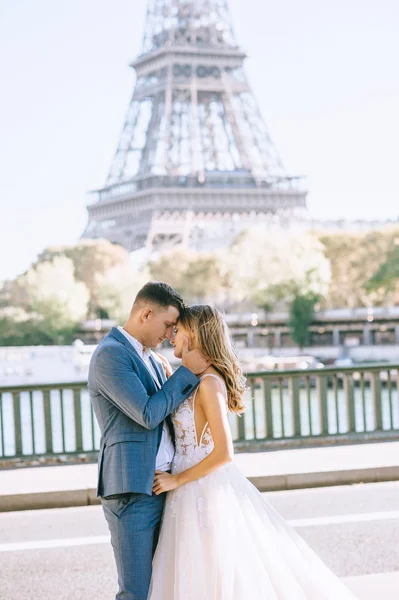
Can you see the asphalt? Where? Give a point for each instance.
(66, 553)
(75, 485)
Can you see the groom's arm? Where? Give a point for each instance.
(119, 383)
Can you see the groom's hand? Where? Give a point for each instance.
(193, 359)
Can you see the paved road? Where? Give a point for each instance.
(65, 554)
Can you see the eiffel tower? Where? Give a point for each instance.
(195, 163)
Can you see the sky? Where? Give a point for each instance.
(325, 73)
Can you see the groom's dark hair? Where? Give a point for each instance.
(161, 294)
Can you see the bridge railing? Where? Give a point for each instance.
(47, 419)
(57, 419)
(319, 402)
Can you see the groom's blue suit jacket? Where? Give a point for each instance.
(130, 411)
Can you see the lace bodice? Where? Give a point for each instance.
(189, 449)
(189, 452)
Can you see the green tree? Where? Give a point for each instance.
(198, 277)
(301, 316)
(268, 268)
(385, 281)
(18, 328)
(170, 267)
(49, 293)
(117, 289)
(91, 259)
(205, 280)
(356, 260)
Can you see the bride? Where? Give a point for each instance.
(220, 539)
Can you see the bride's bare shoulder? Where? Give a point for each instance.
(211, 385)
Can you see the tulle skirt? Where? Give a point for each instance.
(221, 540)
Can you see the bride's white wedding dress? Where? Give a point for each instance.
(220, 540)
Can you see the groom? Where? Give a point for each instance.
(132, 401)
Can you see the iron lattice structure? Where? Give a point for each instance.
(195, 163)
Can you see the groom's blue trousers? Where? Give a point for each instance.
(134, 523)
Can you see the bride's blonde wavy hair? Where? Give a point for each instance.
(214, 342)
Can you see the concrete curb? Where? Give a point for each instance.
(322, 441)
(296, 481)
(40, 500)
(267, 483)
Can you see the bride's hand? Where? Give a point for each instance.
(166, 365)
(164, 482)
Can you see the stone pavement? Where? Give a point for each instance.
(74, 485)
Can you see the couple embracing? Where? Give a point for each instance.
(185, 523)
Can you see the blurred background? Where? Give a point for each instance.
(246, 153)
(264, 185)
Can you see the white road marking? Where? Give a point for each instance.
(105, 539)
(354, 518)
(61, 543)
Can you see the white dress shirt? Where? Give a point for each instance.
(166, 448)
